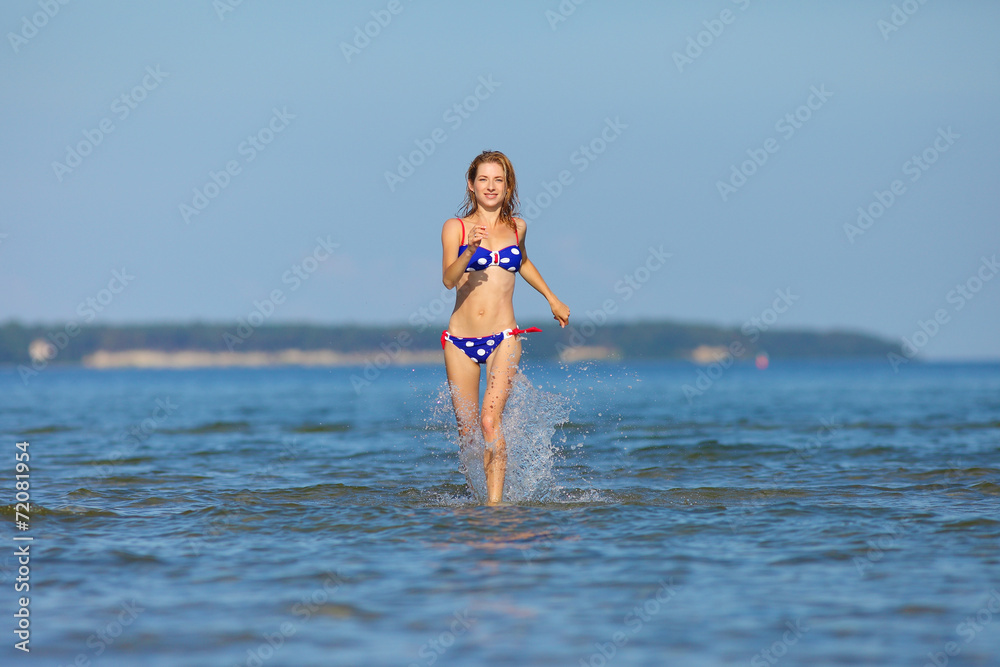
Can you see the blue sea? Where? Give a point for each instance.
(813, 513)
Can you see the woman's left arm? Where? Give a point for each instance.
(560, 311)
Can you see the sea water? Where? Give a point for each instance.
(808, 514)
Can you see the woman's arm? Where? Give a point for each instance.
(453, 269)
(560, 311)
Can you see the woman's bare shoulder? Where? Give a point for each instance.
(452, 223)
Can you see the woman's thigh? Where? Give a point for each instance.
(501, 368)
(463, 379)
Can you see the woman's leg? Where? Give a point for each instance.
(463, 378)
(501, 367)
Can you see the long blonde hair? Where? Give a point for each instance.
(510, 205)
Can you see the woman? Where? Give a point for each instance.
(483, 250)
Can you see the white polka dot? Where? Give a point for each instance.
(515, 251)
(504, 260)
(493, 342)
(511, 268)
(468, 343)
(482, 260)
(480, 352)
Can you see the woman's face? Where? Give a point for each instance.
(489, 186)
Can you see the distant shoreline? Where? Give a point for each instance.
(218, 345)
(195, 360)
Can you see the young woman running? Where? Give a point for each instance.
(482, 329)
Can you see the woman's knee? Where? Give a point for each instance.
(490, 424)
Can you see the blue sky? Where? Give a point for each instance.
(641, 108)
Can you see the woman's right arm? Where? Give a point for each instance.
(453, 269)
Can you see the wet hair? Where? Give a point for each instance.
(510, 205)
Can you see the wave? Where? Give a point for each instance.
(63, 511)
(337, 427)
(213, 427)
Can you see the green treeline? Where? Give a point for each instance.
(640, 340)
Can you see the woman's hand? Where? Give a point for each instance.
(476, 236)
(560, 311)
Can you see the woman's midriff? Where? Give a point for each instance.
(484, 305)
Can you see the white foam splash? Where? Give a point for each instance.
(529, 423)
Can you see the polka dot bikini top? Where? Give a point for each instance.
(506, 258)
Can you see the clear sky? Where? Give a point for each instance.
(202, 150)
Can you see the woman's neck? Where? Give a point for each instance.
(486, 217)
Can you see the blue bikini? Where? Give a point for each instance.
(479, 349)
(506, 258)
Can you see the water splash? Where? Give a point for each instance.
(529, 423)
